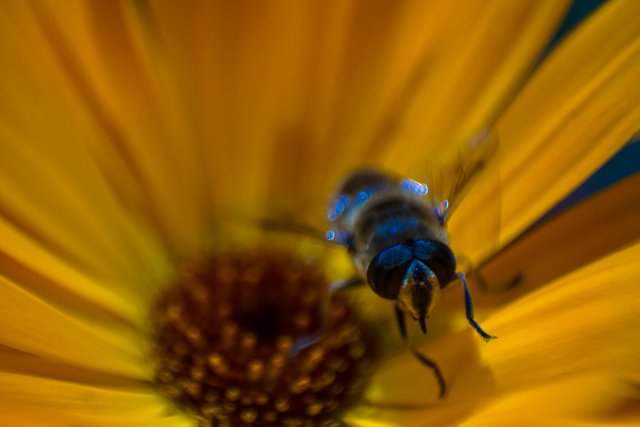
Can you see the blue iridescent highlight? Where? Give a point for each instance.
(363, 196)
(360, 200)
(414, 186)
(440, 211)
(338, 207)
(340, 238)
(345, 207)
(397, 228)
(394, 256)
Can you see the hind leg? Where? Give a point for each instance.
(402, 327)
(305, 341)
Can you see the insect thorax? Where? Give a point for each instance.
(389, 219)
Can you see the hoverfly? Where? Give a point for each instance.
(395, 232)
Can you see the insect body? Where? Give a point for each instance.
(395, 238)
(395, 232)
(394, 229)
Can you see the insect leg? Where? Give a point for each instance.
(308, 340)
(402, 326)
(305, 341)
(469, 309)
(434, 367)
(343, 285)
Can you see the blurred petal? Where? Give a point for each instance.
(578, 109)
(30, 325)
(127, 70)
(40, 270)
(79, 404)
(588, 400)
(584, 322)
(18, 362)
(550, 250)
(53, 196)
(31, 416)
(471, 69)
(106, 65)
(327, 80)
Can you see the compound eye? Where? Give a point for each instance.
(438, 257)
(387, 270)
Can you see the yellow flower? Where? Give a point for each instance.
(130, 132)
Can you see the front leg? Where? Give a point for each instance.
(469, 309)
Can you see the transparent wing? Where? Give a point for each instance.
(474, 230)
(450, 179)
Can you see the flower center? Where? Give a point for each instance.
(255, 339)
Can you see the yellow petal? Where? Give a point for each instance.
(241, 75)
(326, 80)
(30, 325)
(12, 414)
(472, 66)
(79, 404)
(115, 71)
(53, 194)
(584, 321)
(25, 261)
(71, 224)
(18, 362)
(590, 399)
(594, 228)
(578, 109)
